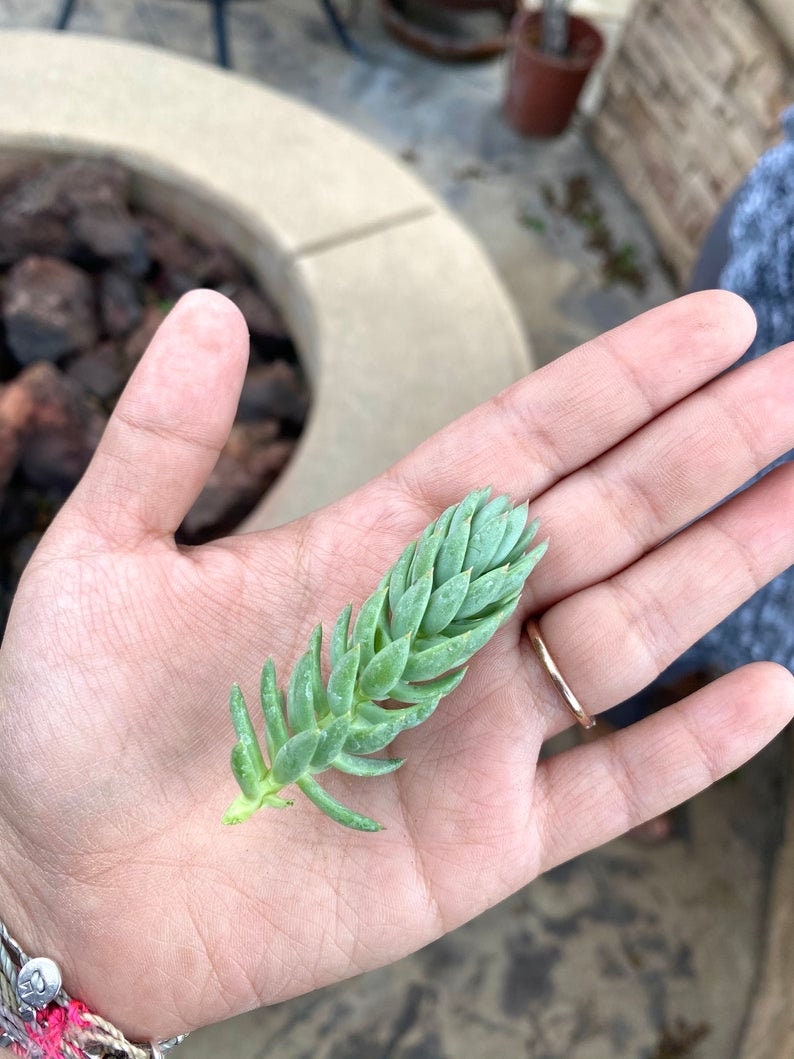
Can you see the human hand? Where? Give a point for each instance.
(121, 648)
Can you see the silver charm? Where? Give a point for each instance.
(38, 983)
(161, 1047)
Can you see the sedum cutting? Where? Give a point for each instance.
(441, 602)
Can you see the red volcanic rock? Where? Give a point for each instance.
(119, 303)
(273, 389)
(57, 430)
(35, 214)
(100, 371)
(136, 344)
(85, 281)
(109, 234)
(262, 319)
(252, 459)
(48, 309)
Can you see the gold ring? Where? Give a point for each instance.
(557, 679)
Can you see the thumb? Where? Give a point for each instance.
(169, 425)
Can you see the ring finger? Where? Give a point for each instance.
(612, 639)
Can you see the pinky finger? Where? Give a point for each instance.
(595, 792)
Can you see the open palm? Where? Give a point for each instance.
(121, 648)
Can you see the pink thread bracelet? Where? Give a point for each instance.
(39, 1020)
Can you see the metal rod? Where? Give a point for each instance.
(340, 28)
(66, 12)
(221, 36)
(222, 51)
(555, 27)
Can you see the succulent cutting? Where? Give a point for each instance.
(442, 601)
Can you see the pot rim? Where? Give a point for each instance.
(526, 18)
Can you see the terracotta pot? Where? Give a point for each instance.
(542, 89)
(398, 21)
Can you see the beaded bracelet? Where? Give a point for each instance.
(39, 1020)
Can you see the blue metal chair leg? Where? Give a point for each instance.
(340, 28)
(221, 36)
(66, 12)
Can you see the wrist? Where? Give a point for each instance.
(20, 891)
(37, 904)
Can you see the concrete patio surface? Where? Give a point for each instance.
(632, 951)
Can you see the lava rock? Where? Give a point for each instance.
(253, 457)
(186, 263)
(100, 371)
(275, 390)
(59, 430)
(262, 319)
(119, 303)
(48, 309)
(13, 419)
(85, 182)
(22, 552)
(35, 213)
(121, 269)
(137, 343)
(108, 233)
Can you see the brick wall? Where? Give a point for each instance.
(691, 100)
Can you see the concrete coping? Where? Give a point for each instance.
(400, 320)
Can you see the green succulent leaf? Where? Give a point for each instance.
(300, 697)
(483, 544)
(444, 604)
(319, 696)
(521, 545)
(483, 592)
(245, 772)
(248, 753)
(367, 766)
(490, 512)
(367, 622)
(374, 737)
(449, 560)
(340, 635)
(515, 525)
(409, 612)
(426, 553)
(276, 733)
(330, 744)
(295, 757)
(398, 579)
(431, 689)
(331, 807)
(399, 719)
(441, 601)
(385, 669)
(342, 683)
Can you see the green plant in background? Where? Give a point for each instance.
(441, 602)
(620, 262)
